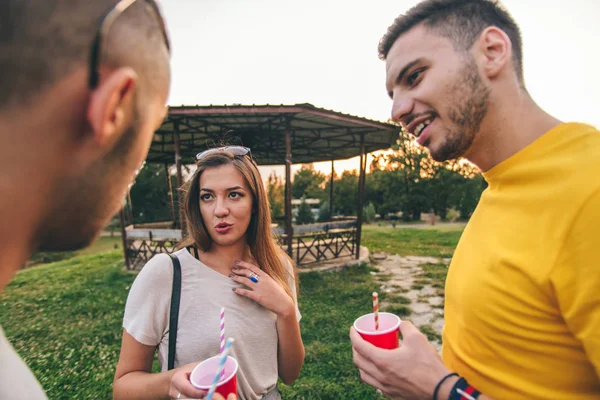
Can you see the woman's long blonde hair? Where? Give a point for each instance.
(259, 236)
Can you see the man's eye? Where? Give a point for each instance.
(413, 77)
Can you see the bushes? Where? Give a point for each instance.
(369, 213)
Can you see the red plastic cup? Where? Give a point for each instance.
(386, 337)
(203, 374)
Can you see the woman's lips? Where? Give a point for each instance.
(223, 228)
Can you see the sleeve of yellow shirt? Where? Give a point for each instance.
(576, 278)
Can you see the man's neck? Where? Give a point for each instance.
(28, 172)
(512, 125)
(19, 214)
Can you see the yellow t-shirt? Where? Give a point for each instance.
(523, 289)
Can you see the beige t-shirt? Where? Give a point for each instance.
(203, 293)
(16, 379)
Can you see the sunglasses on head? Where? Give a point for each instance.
(107, 22)
(235, 150)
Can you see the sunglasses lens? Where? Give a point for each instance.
(235, 150)
(203, 154)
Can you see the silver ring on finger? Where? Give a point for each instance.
(179, 396)
(254, 277)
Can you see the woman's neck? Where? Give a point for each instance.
(222, 258)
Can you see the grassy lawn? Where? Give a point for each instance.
(103, 244)
(433, 241)
(64, 319)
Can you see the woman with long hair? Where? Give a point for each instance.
(229, 260)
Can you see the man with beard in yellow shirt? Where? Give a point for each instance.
(522, 308)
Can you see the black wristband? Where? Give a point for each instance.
(463, 391)
(439, 385)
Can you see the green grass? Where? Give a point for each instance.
(101, 245)
(431, 334)
(64, 319)
(434, 241)
(421, 281)
(398, 309)
(330, 302)
(394, 298)
(435, 275)
(399, 289)
(435, 271)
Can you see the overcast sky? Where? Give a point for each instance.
(324, 52)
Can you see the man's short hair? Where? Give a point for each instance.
(461, 21)
(41, 42)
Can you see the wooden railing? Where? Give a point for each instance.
(324, 241)
(311, 243)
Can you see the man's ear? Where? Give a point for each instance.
(111, 106)
(494, 51)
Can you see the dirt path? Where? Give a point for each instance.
(403, 276)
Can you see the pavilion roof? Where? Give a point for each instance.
(317, 134)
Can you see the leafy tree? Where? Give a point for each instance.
(467, 195)
(308, 182)
(408, 179)
(369, 213)
(324, 212)
(441, 187)
(345, 193)
(276, 194)
(150, 195)
(305, 215)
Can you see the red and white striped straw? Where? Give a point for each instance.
(222, 335)
(376, 310)
(222, 329)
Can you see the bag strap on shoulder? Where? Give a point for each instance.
(174, 313)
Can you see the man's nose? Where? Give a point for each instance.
(402, 106)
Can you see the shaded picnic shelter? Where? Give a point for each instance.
(276, 135)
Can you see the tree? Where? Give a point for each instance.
(324, 212)
(411, 162)
(369, 213)
(410, 180)
(276, 194)
(308, 182)
(150, 195)
(441, 187)
(305, 215)
(345, 193)
(467, 195)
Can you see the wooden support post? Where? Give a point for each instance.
(130, 207)
(124, 237)
(289, 231)
(171, 200)
(181, 222)
(361, 193)
(331, 192)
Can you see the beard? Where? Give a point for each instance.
(471, 102)
(84, 202)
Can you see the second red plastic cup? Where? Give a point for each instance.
(203, 374)
(388, 334)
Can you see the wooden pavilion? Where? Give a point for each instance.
(277, 135)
